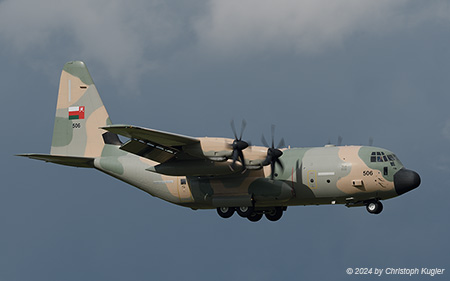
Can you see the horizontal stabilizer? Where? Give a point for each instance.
(82, 162)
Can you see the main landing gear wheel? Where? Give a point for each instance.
(225, 212)
(244, 212)
(374, 207)
(274, 214)
(254, 217)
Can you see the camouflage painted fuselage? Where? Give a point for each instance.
(321, 175)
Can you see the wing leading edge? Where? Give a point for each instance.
(157, 145)
(150, 135)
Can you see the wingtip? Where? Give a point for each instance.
(23, 155)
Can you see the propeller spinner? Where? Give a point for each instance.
(273, 153)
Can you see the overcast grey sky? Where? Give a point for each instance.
(316, 69)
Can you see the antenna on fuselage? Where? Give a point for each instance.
(339, 142)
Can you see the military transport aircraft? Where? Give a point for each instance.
(217, 173)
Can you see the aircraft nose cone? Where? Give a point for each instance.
(406, 180)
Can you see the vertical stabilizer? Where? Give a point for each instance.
(79, 114)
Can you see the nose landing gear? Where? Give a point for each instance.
(374, 207)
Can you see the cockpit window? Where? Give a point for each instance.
(381, 157)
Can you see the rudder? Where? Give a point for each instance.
(79, 114)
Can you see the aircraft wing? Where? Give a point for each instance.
(150, 135)
(157, 145)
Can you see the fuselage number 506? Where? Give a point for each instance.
(368, 173)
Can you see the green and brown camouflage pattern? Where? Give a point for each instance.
(196, 173)
(76, 88)
(324, 175)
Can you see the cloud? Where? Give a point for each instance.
(129, 38)
(121, 35)
(303, 27)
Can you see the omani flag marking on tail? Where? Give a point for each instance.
(76, 112)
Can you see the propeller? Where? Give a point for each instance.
(238, 145)
(273, 153)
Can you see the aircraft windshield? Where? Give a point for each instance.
(379, 156)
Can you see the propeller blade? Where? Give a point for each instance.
(281, 144)
(235, 158)
(263, 140)
(233, 128)
(267, 161)
(278, 161)
(272, 170)
(241, 156)
(273, 135)
(244, 123)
